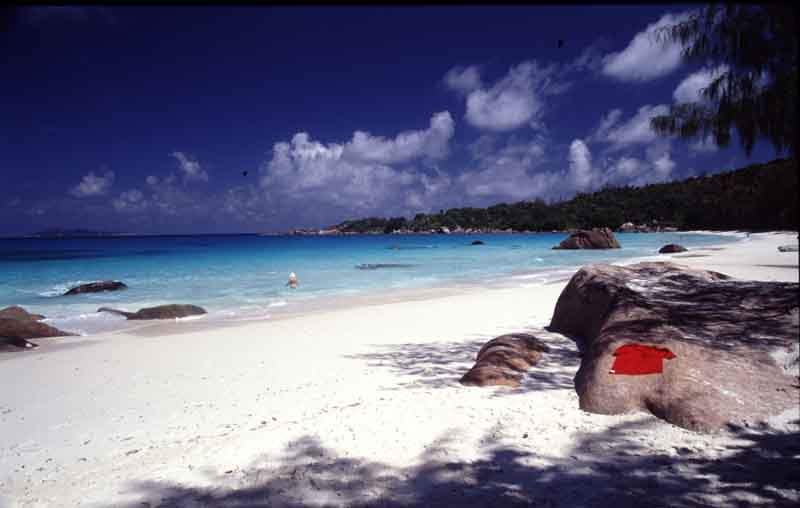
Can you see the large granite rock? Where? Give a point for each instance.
(735, 342)
(597, 238)
(503, 360)
(17, 312)
(97, 287)
(171, 311)
(672, 248)
(17, 325)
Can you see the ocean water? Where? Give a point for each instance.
(240, 277)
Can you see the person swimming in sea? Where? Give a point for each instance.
(292, 281)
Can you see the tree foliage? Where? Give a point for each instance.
(758, 197)
(756, 94)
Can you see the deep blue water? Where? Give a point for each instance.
(245, 276)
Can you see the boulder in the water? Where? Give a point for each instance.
(97, 287)
(17, 325)
(734, 343)
(170, 311)
(671, 248)
(597, 238)
(17, 312)
(476, 242)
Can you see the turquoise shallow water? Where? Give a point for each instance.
(244, 276)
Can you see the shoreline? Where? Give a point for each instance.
(371, 296)
(180, 412)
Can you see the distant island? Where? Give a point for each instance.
(73, 233)
(757, 197)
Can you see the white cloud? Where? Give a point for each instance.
(514, 101)
(636, 130)
(463, 79)
(93, 185)
(152, 180)
(580, 165)
(607, 122)
(626, 169)
(431, 143)
(191, 169)
(646, 58)
(130, 201)
(366, 174)
(507, 174)
(689, 90)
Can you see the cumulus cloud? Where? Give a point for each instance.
(93, 185)
(690, 89)
(130, 201)
(431, 143)
(507, 174)
(580, 165)
(152, 180)
(635, 130)
(191, 169)
(463, 79)
(510, 103)
(646, 58)
(367, 173)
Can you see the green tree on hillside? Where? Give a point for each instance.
(757, 91)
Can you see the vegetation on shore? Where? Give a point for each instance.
(757, 197)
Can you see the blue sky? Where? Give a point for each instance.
(144, 119)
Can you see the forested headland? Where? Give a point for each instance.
(757, 197)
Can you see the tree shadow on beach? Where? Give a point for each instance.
(441, 364)
(726, 315)
(608, 468)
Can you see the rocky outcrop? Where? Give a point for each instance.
(17, 312)
(654, 227)
(734, 341)
(17, 325)
(97, 287)
(503, 361)
(788, 248)
(171, 311)
(672, 248)
(476, 242)
(597, 238)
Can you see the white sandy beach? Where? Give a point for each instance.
(350, 405)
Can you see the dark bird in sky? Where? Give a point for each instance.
(560, 43)
(244, 173)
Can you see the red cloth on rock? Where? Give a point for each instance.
(638, 359)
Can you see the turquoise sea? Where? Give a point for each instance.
(244, 276)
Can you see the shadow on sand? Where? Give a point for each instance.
(441, 364)
(609, 468)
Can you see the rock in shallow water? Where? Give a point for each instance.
(171, 311)
(672, 248)
(503, 360)
(97, 287)
(17, 312)
(728, 337)
(597, 238)
(17, 325)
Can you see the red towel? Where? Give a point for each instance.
(638, 359)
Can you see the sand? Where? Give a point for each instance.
(360, 406)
